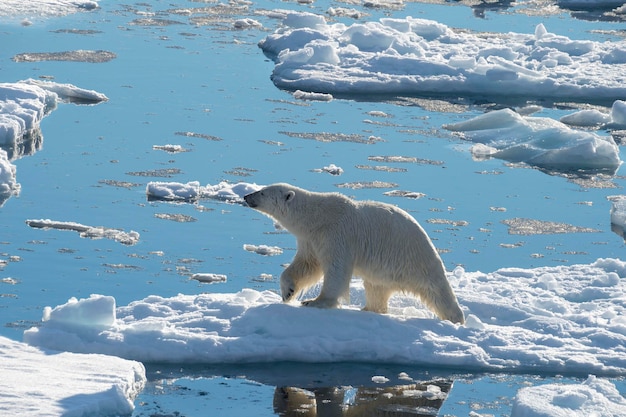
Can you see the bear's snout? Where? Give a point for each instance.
(249, 199)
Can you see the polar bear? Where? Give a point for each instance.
(338, 237)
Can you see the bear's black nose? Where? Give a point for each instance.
(248, 199)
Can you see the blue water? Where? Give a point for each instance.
(212, 80)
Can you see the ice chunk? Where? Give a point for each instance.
(594, 397)
(38, 382)
(96, 312)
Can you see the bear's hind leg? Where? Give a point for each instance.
(336, 285)
(376, 297)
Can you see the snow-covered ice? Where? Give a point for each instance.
(422, 57)
(563, 319)
(593, 398)
(191, 191)
(539, 141)
(22, 107)
(24, 104)
(38, 382)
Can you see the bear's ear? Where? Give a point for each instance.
(289, 196)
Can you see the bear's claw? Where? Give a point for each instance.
(321, 303)
(288, 295)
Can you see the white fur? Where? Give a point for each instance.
(338, 237)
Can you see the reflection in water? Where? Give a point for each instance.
(420, 399)
(490, 6)
(295, 389)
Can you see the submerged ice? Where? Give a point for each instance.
(539, 141)
(422, 57)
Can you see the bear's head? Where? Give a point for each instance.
(273, 200)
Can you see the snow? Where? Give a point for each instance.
(422, 57)
(564, 319)
(539, 141)
(40, 382)
(8, 184)
(594, 397)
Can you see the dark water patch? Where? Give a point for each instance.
(523, 226)
(404, 159)
(152, 21)
(406, 194)
(120, 184)
(199, 135)
(333, 137)
(382, 168)
(358, 185)
(455, 223)
(161, 173)
(122, 266)
(241, 172)
(180, 218)
(77, 31)
(93, 57)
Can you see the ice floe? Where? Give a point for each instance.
(39, 382)
(616, 119)
(539, 141)
(593, 397)
(92, 232)
(563, 319)
(419, 57)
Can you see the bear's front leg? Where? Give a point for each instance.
(336, 285)
(301, 274)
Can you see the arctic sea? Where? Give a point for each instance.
(533, 250)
